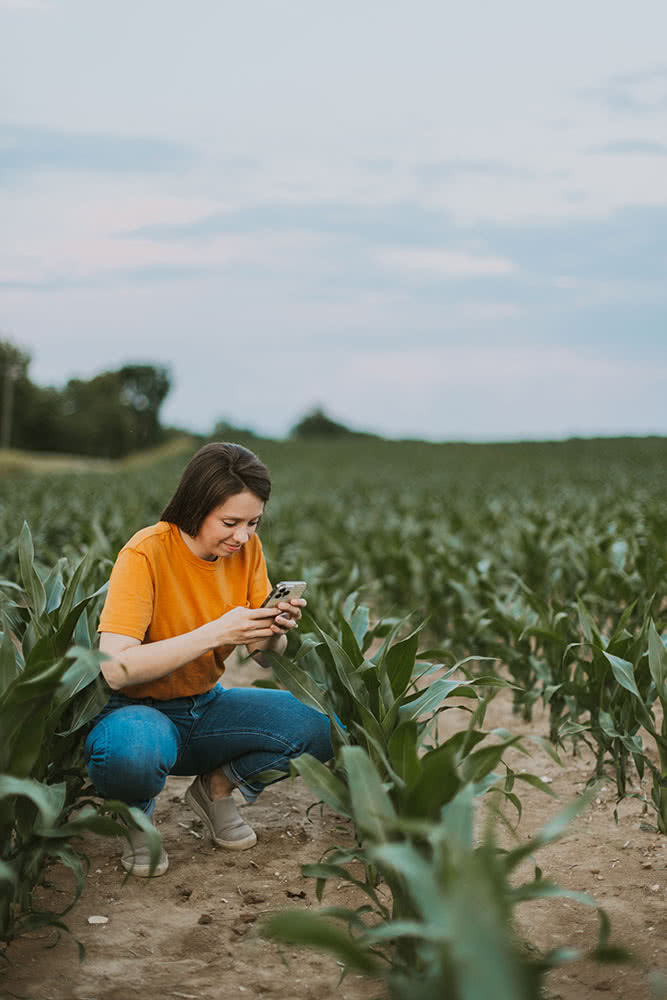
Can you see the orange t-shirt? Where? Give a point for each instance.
(159, 589)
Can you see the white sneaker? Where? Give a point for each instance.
(136, 856)
(227, 827)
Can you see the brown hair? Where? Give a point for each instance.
(212, 476)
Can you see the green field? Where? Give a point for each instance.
(543, 565)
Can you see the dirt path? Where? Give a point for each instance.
(192, 934)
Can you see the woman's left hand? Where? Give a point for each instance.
(290, 613)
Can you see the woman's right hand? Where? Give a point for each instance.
(242, 625)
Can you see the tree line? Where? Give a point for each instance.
(109, 415)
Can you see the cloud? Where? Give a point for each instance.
(396, 222)
(643, 92)
(444, 263)
(442, 170)
(632, 147)
(31, 147)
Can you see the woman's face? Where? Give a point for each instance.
(227, 528)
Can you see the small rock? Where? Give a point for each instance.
(647, 864)
(594, 871)
(656, 887)
(98, 920)
(205, 918)
(603, 984)
(295, 895)
(253, 897)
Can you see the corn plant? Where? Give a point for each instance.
(382, 701)
(618, 686)
(451, 928)
(49, 690)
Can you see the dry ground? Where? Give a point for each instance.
(192, 934)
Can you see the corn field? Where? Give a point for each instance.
(438, 576)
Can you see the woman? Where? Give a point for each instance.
(183, 594)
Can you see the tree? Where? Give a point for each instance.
(109, 415)
(144, 388)
(317, 424)
(13, 375)
(115, 412)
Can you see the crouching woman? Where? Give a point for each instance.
(183, 594)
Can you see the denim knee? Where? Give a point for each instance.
(316, 739)
(128, 757)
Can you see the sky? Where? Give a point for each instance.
(431, 219)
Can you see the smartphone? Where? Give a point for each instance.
(285, 591)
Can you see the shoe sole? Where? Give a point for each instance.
(143, 870)
(231, 845)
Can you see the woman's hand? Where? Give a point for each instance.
(243, 625)
(290, 615)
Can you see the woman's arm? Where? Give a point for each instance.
(133, 662)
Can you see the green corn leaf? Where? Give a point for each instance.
(624, 673)
(402, 929)
(81, 673)
(346, 669)
(360, 623)
(456, 826)
(323, 871)
(9, 668)
(67, 856)
(546, 889)
(71, 594)
(436, 784)
(88, 704)
(588, 626)
(400, 662)
(324, 783)
(55, 644)
(403, 745)
(657, 661)
(297, 927)
(48, 799)
(418, 878)
(350, 645)
(623, 621)
(372, 810)
(31, 581)
(532, 779)
(481, 762)
(431, 699)
(54, 586)
(374, 747)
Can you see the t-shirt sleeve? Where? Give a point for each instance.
(258, 584)
(128, 608)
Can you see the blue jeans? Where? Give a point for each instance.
(135, 743)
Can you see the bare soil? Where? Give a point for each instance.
(193, 933)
